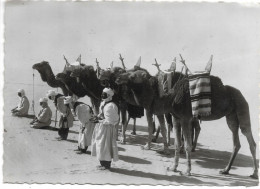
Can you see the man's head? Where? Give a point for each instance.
(21, 92)
(51, 94)
(43, 102)
(107, 94)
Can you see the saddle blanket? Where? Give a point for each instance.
(200, 94)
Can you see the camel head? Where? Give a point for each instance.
(106, 76)
(44, 69)
(135, 77)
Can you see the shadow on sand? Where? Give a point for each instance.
(195, 179)
(173, 178)
(134, 160)
(30, 116)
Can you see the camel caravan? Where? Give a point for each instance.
(182, 98)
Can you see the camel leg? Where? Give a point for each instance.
(134, 127)
(177, 133)
(252, 145)
(124, 123)
(149, 117)
(163, 131)
(168, 118)
(196, 127)
(186, 130)
(245, 127)
(157, 132)
(233, 125)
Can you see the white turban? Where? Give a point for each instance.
(21, 91)
(44, 99)
(51, 93)
(110, 94)
(109, 91)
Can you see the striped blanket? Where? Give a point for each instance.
(200, 94)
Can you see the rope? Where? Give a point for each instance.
(33, 96)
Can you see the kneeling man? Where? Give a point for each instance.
(43, 119)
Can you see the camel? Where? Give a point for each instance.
(107, 78)
(164, 78)
(47, 75)
(88, 79)
(226, 101)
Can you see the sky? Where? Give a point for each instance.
(36, 31)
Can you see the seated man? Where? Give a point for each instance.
(43, 119)
(23, 107)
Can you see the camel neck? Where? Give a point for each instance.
(92, 86)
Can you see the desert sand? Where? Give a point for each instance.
(35, 156)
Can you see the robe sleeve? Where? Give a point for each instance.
(21, 104)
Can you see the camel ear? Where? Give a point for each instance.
(111, 65)
(209, 65)
(138, 64)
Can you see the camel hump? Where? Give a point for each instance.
(216, 81)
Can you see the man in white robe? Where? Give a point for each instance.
(23, 106)
(84, 112)
(104, 144)
(66, 117)
(43, 118)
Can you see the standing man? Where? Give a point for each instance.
(23, 106)
(66, 118)
(43, 118)
(104, 136)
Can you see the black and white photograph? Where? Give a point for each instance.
(131, 93)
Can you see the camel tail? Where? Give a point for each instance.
(242, 109)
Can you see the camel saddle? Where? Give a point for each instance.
(165, 82)
(200, 91)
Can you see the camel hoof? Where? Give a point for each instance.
(224, 172)
(254, 176)
(187, 173)
(146, 147)
(133, 133)
(193, 150)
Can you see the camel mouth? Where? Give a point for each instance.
(34, 67)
